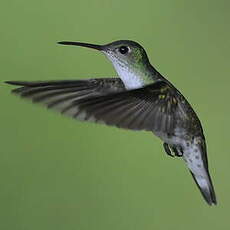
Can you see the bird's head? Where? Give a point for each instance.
(128, 58)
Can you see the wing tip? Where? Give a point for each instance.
(10, 82)
(20, 83)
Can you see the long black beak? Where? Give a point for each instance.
(93, 46)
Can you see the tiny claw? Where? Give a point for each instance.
(178, 152)
(167, 150)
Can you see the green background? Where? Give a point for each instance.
(57, 173)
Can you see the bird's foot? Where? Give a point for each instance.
(178, 152)
(168, 150)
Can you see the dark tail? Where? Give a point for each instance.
(206, 188)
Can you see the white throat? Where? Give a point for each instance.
(130, 78)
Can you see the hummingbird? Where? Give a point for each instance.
(140, 98)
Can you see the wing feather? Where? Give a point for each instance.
(153, 108)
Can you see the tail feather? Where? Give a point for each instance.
(195, 156)
(206, 188)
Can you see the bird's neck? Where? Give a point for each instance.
(137, 77)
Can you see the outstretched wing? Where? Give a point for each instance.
(61, 94)
(153, 108)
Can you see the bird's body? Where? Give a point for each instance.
(141, 99)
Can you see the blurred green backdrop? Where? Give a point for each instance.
(57, 173)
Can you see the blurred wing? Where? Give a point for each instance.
(61, 94)
(153, 108)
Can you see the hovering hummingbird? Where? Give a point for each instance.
(140, 99)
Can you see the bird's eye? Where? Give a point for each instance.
(123, 49)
